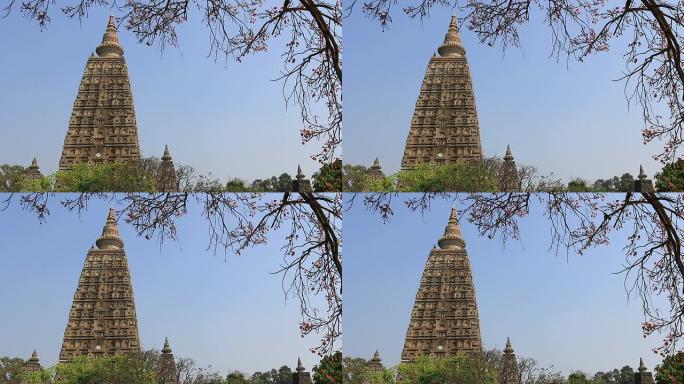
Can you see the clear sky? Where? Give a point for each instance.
(229, 312)
(226, 118)
(567, 118)
(570, 313)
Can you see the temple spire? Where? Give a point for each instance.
(452, 233)
(642, 366)
(642, 174)
(167, 155)
(110, 238)
(110, 47)
(509, 347)
(300, 367)
(167, 348)
(452, 41)
(509, 154)
(33, 364)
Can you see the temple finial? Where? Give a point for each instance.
(642, 366)
(110, 238)
(509, 346)
(300, 174)
(300, 367)
(452, 233)
(167, 155)
(509, 154)
(110, 47)
(167, 348)
(642, 174)
(452, 40)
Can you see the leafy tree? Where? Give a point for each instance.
(578, 378)
(467, 177)
(11, 370)
(117, 177)
(328, 178)
(671, 177)
(354, 178)
(110, 370)
(284, 183)
(329, 371)
(283, 375)
(448, 370)
(235, 185)
(671, 370)
(11, 177)
(577, 185)
(353, 370)
(236, 378)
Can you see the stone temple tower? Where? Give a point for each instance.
(445, 321)
(102, 320)
(102, 127)
(445, 128)
(509, 373)
(166, 371)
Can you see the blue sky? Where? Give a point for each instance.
(564, 117)
(229, 312)
(226, 118)
(570, 313)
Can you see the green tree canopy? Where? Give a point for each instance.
(329, 371)
(671, 370)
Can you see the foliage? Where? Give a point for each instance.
(282, 183)
(329, 371)
(578, 185)
(625, 375)
(236, 378)
(671, 177)
(624, 183)
(578, 378)
(328, 178)
(11, 370)
(111, 370)
(283, 375)
(11, 177)
(469, 177)
(671, 370)
(353, 370)
(117, 177)
(235, 185)
(448, 370)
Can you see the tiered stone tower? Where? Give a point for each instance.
(642, 376)
(375, 171)
(33, 171)
(509, 180)
(375, 364)
(166, 180)
(445, 321)
(509, 373)
(102, 127)
(301, 183)
(102, 320)
(300, 376)
(33, 364)
(643, 184)
(445, 128)
(167, 372)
